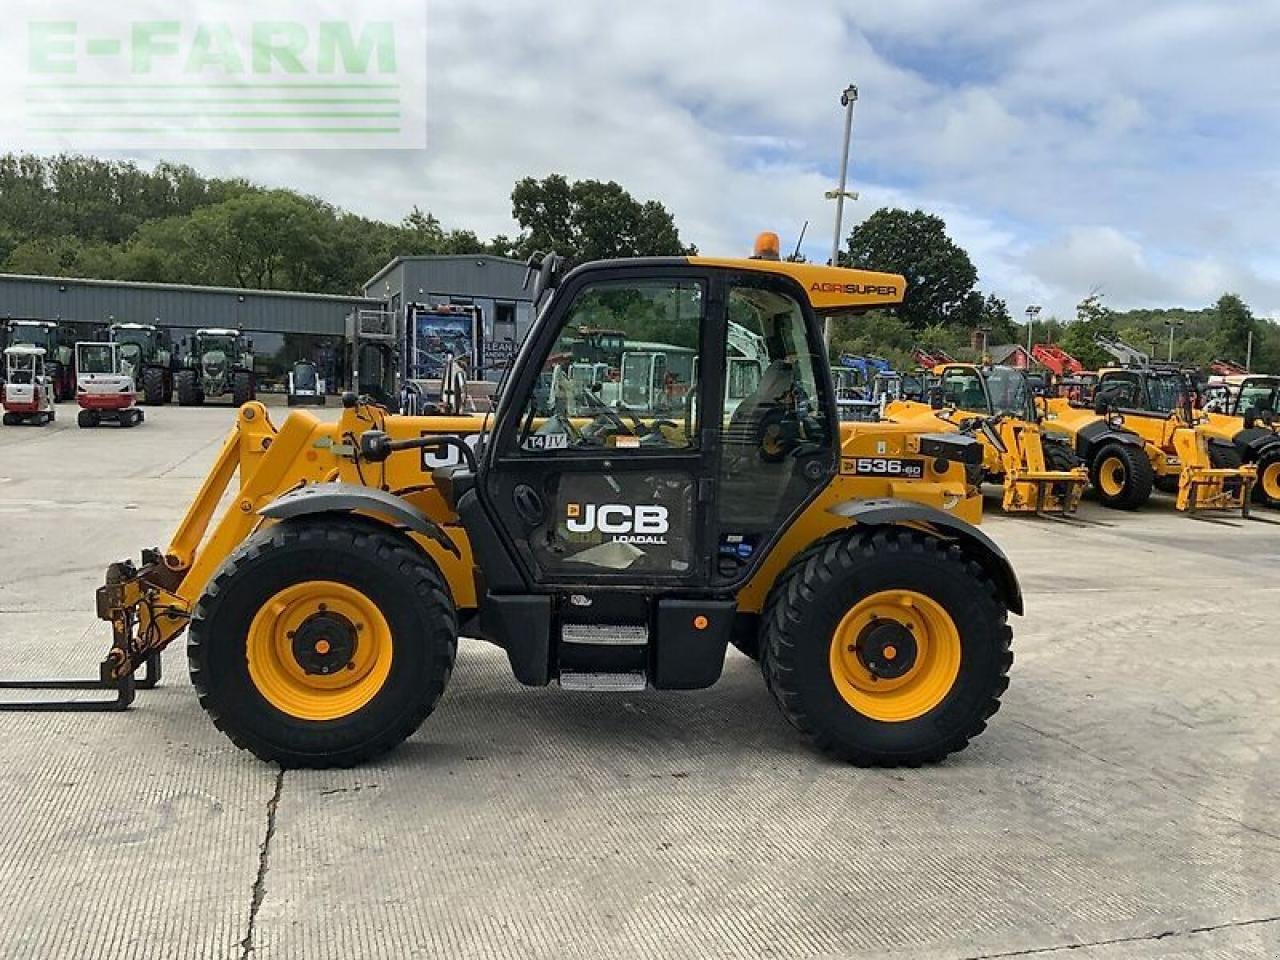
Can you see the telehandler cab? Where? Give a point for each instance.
(602, 547)
(1039, 473)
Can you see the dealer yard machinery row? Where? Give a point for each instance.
(601, 547)
(1143, 431)
(995, 404)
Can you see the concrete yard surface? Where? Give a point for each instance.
(1122, 804)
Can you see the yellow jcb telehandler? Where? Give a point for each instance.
(1246, 414)
(608, 532)
(1143, 431)
(1039, 473)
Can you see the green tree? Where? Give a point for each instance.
(589, 220)
(1235, 323)
(939, 274)
(1092, 318)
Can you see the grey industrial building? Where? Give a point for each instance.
(285, 326)
(494, 284)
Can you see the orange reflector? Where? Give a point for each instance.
(890, 652)
(700, 622)
(322, 647)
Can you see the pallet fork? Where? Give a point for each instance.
(1029, 486)
(145, 604)
(1201, 486)
(120, 600)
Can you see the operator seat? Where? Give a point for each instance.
(745, 426)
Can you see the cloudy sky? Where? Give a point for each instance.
(1126, 147)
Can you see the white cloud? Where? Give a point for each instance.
(1069, 146)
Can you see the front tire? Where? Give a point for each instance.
(1122, 476)
(153, 387)
(886, 648)
(242, 390)
(1267, 489)
(188, 389)
(323, 642)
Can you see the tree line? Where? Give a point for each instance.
(85, 217)
(88, 217)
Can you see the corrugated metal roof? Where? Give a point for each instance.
(97, 301)
(475, 275)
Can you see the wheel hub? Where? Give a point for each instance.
(324, 643)
(887, 649)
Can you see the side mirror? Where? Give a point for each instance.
(1103, 401)
(935, 398)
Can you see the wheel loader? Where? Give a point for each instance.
(1142, 431)
(1247, 416)
(1039, 472)
(603, 547)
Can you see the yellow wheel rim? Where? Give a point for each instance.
(1112, 476)
(895, 656)
(319, 650)
(1270, 481)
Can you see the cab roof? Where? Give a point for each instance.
(830, 289)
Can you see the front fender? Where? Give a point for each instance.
(872, 513)
(351, 497)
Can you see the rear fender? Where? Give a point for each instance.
(975, 543)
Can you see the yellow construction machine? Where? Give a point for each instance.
(1244, 411)
(614, 526)
(1143, 431)
(995, 404)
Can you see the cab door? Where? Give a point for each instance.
(595, 479)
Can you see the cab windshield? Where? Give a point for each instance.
(1010, 395)
(1164, 392)
(304, 376)
(1259, 396)
(95, 358)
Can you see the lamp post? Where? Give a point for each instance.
(847, 99)
(1172, 325)
(1033, 313)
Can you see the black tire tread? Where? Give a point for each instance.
(1268, 458)
(1142, 476)
(153, 386)
(815, 569)
(419, 576)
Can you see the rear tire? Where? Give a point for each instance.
(953, 682)
(153, 392)
(260, 692)
(1122, 476)
(1267, 490)
(188, 389)
(242, 388)
(87, 419)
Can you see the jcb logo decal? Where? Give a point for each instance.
(646, 523)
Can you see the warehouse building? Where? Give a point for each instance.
(493, 284)
(285, 326)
